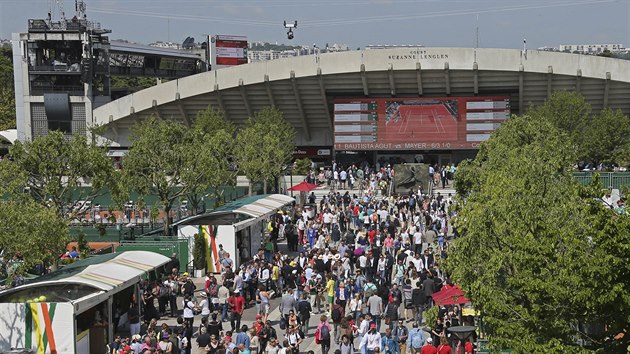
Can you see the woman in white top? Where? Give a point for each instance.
(205, 305)
(355, 307)
(189, 315)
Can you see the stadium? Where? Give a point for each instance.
(378, 104)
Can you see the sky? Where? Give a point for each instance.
(358, 23)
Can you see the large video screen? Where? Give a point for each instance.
(441, 123)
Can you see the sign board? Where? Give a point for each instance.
(227, 50)
(441, 123)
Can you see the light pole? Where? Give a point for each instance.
(462, 333)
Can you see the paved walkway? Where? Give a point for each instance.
(249, 315)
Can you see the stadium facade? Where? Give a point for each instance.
(350, 102)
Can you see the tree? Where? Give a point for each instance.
(302, 166)
(7, 93)
(536, 248)
(59, 170)
(608, 138)
(214, 136)
(32, 233)
(601, 137)
(567, 111)
(158, 156)
(264, 146)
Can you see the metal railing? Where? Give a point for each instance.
(610, 180)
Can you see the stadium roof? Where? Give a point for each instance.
(304, 87)
(88, 281)
(241, 212)
(134, 48)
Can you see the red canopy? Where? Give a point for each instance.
(450, 296)
(303, 187)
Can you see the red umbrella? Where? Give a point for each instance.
(446, 292)
(452, 300)
(450, 296)
(303, 187)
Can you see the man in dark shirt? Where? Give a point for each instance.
(304, 312)
(428, 287)
(203, 339)
(266, 334)
(214, 327)
(133, 315)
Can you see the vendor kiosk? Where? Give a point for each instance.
(237, 226)
(70, 310)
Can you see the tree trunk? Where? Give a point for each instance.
(167, 219)
(265, 186)
(249, 193)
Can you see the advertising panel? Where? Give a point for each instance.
(441, 123)
(227, 50)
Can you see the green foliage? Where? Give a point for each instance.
(536, 248)
(608, 138)
(158, 155)
(33, 232)
(134, 83)
(7, 93)
(214, 137)
(602, 137)
(430, 316)
(199, 252)
(264, 145)
(83, 246)
(302, 166)
(567, 111)
(606, 53)
(465, 181)
(52, 167)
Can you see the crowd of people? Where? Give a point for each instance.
(366, 266)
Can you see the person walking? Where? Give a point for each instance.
(322, 334)
(400, 336)
(415, 339)
(375, 307)
(189, 315)
(371, 342)
(429, 348)
(236, 306)
(337, 313)
(304, 310)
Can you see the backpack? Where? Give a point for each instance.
(165, 290)
(336, 314)
(324, 333)
(213, 290)
(416, 339)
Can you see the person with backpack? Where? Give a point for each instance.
(322, 334)
(164, 296)
(337, 313)
(415, 339)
